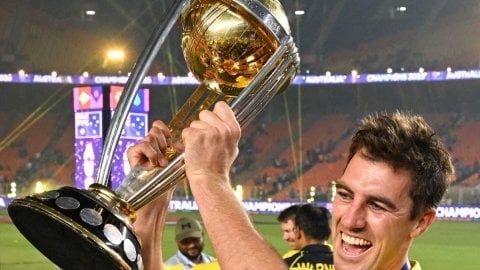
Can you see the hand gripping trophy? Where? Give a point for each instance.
(240, 51)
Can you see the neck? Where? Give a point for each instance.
(198, 259)
(308, 242)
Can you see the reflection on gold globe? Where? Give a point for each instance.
(224, 49)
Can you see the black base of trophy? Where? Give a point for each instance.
(78, 229)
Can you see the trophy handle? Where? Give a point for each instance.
(201, 99)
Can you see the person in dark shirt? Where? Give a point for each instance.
(287, 224)
(312, 230)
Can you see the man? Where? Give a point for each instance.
(189, 238)
(312, 230)
(396, 174)
(287, 224)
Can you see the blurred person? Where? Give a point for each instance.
(190, 244)
(286, 217)
(312, 230)
(396, 174)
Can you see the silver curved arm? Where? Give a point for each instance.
(131, 88)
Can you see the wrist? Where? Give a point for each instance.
(209, 179)
(208, 187)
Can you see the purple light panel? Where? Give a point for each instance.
(89, 117)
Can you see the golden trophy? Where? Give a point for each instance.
(240, 51)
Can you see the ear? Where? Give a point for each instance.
(298, 233)
(423, 222)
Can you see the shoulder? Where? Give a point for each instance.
(207, 258)
(289, 253)
(318, 254)
(207, 266)
(318, 248)
(295, 256)
(172, 260)
(173, 267)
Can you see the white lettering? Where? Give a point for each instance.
(111, 79)
(6, 77)
(147, 80)
(183, 205)
(184, 80)
(458, 212)
(325, 79)
(387, 77)
(463, 74)
(417, 76)
(47, 79)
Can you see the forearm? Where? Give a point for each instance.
(236, 242)
(149, 227)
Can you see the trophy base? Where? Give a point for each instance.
(76, 230)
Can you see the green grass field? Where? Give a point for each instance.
(446, 245)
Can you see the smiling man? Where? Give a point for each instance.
(287, 224)
(189, 238)
(396, 175)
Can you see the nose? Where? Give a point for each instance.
(354, 217)
(190, 244)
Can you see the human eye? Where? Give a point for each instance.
(343, 194)
(377, 207)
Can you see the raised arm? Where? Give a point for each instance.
(211, 146)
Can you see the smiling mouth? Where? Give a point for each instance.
(355, 246)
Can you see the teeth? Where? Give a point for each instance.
(355, 241)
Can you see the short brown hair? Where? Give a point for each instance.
(406, 141)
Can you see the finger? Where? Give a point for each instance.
(223, 111)
(160, 126)
(209, 119)
(226, 114)
(165, 140)
(161, 134)
(202, 124)
(152, 147)
(160, 138)
(141, 153)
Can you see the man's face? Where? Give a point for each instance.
(371, 210)
(289, 233)
(191, 247)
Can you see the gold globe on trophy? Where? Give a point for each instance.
(240, 51)
(222, 49)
